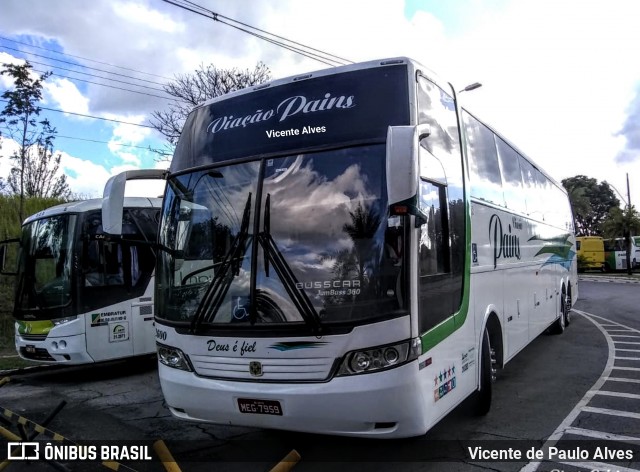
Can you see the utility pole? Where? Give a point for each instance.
(627, 235)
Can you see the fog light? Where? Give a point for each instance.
(63, 344)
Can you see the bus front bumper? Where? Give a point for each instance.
(384, 404)
(54, 350)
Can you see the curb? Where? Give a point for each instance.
(597, 278)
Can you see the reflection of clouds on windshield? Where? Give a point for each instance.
(224, 192)
(313, 208)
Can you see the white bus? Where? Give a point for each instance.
(615, 253)
(370, 253)
(82, 296)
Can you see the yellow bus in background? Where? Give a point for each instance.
(590, 250)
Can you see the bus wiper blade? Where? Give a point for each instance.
(273, 255)
(267, 230)
(229, 268)
(288, 278)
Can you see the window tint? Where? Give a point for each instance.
(486, 182)
(530, 189)
(441, 246)
(433, 251)
(511, 177)
(115, 271)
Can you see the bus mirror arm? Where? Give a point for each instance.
(423, 131)
(113, 196)
(403, 144)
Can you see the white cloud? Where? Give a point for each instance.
(557, 76)
(83, 176)
(148, 17)
(65, 95)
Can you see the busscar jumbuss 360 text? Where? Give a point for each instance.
(351, 252)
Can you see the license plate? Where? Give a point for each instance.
(31, 349)
(259, 407)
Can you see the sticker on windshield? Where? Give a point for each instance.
(240, 308)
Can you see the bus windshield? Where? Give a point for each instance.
(302, 239)
(45, 264)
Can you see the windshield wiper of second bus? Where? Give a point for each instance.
(229, 269)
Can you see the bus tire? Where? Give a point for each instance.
(560, 324)
(567, 307)
(482, 400)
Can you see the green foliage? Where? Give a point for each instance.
(591, 202)
(35, 165)
(623, 224)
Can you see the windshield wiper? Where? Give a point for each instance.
(229, 269)
(273, 255)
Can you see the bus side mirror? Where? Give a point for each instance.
(402, 166)
(113, 197)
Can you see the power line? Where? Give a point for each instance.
(79, 65)
(330, 56)
(113, 144)
(84, 58)
(109, 86)
(323, 57)
(96, 76)
(157, 151)
(91, 116)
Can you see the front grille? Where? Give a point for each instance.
(33, 337)
(285, 370)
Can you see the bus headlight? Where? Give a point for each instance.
(61, 321)
(173, 357)
(380, 357)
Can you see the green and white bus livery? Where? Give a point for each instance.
(82, 296)
(372, 254)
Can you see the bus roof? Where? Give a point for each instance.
(414, 65)
(83, 206)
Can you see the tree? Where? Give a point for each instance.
(35, 170)
(591, 202)
(204, 83)
(623, 223)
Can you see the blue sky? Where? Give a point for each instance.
(560, 78)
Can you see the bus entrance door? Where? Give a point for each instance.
(110, 332)
(142, 320)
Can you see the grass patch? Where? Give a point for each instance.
(14, 362)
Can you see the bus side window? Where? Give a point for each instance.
(442, 244)
(484, 169)
(433, 250)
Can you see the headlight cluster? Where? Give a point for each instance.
(172, 357)
(61, 321)
(380, 357)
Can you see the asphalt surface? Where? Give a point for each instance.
(534, 394)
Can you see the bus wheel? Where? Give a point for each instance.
(487, 376)
(558, 326)
(567, 307)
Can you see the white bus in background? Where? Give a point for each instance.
(615, 253)
(82, 296)
(373, 253)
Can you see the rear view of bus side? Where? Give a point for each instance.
(351, 252)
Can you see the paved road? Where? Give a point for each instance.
(535, 394)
